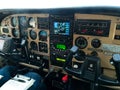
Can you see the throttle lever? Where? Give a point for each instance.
(73, 50)
(116, 62)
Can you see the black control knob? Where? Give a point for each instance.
(94, 53)
(116, 62)
(80, 55)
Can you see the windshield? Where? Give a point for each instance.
(36, 4)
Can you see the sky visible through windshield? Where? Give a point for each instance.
(36, 4)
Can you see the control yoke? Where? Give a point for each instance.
(8, 50)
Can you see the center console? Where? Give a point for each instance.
(61, 37)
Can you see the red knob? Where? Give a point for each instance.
(65, 78)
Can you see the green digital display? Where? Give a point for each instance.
(60, 59)
(61, 46)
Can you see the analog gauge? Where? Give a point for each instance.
(32, 22)
(43, 47)
(23, 21)
(33, 34)
(5, 30)
(14, 21)
(96, 43)
(43, 35)
(15, 32)
(33, 45)
(81, 42)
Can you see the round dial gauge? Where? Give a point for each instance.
(96, 43)
(33, 34)
(43, 35)
(32, 22)
(14, 21)
(5, 30)
(81, 42)
(15, 32)
(23, 20)
(33, 45)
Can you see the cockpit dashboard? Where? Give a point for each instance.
(50, 33)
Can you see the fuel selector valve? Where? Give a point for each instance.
(115, 60)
